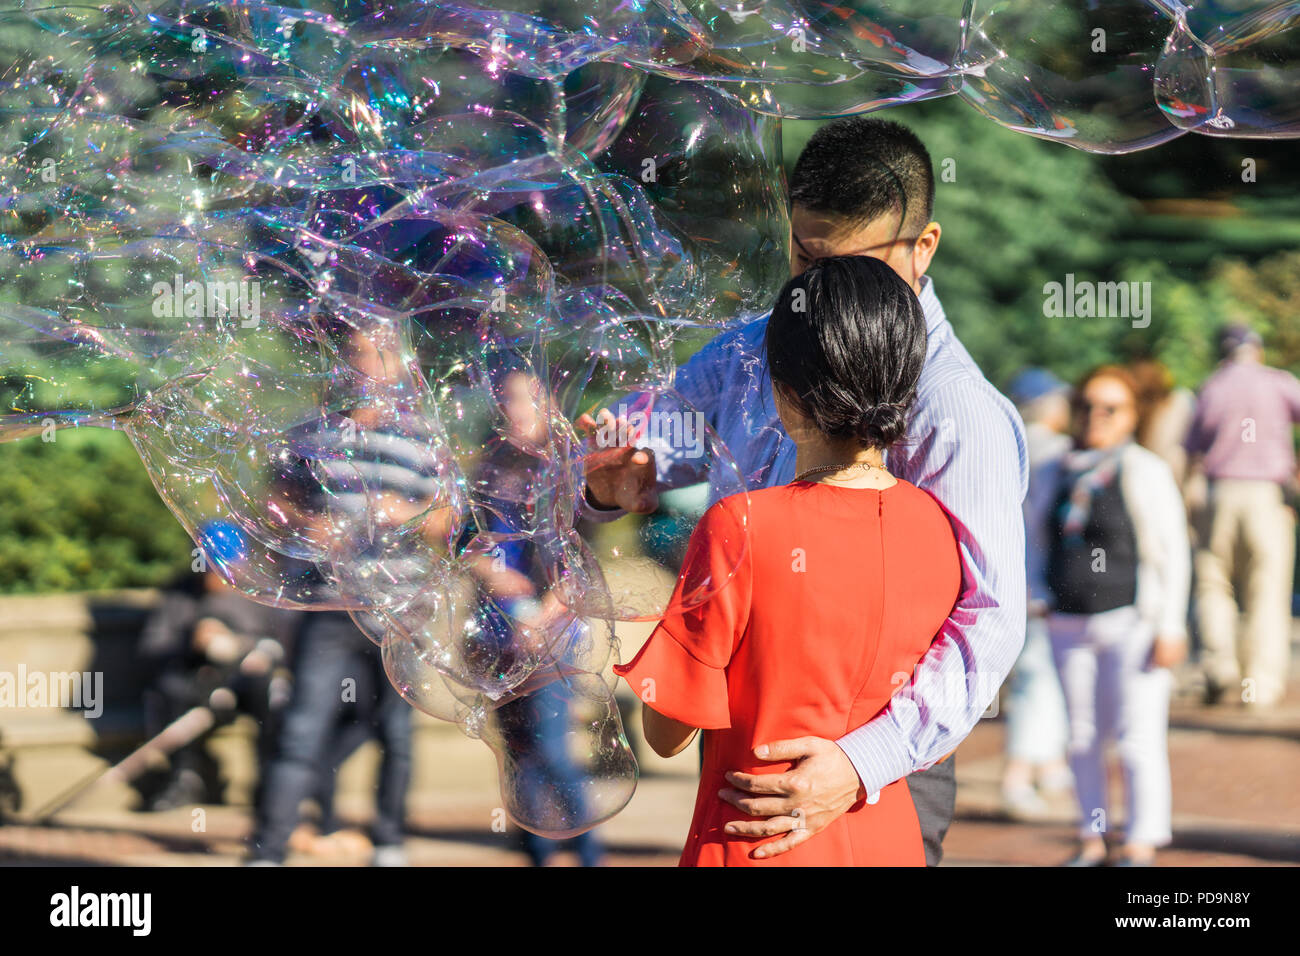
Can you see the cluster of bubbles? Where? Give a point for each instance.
(347, 272)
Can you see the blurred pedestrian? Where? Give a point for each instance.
(1165, 412)
(208, 645)
(389, 478)
(1241, 439)
(1035, 707)
(1110, 559)
(514, 598)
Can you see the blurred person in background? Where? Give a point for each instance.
(11, 796)
(331, 650)
(388, 476)
(1109, 558)
(1035, 707)
(1165, 413)
(209, 645)
(514, 600)
(330, 837)
(1241, 440)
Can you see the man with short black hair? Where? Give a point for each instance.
(865, 186)
(857, 172)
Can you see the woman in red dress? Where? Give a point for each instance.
(838, 581)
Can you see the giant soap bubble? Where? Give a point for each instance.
(349, 272)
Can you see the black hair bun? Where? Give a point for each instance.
(849, 348)
(882, 425)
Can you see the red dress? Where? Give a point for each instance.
(839, 593)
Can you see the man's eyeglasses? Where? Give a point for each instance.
(869, 250)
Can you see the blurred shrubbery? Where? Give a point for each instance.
(79, 513)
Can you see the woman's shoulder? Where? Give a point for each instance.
(915, 495)
(922, 529)
(900, 494)
(920, 505)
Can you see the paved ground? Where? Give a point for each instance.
(1236, 803)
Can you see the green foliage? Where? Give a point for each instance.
(79, 513)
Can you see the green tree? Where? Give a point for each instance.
(79, 513)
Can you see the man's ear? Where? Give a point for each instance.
(925, 247)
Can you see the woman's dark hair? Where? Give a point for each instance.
(845, 343)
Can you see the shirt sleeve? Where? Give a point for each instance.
(970, 454)
(1291, 391)
(681, 670)
(699, 383)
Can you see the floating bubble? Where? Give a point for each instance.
(1079, 74)
(629, 551)
(1232, 69)
(807, 60)
(564, 761)
(350, 273)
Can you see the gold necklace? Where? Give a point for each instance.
(864, 465)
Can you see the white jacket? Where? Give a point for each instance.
(1155, 506)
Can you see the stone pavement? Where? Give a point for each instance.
(1236, 803)
(1236, 799)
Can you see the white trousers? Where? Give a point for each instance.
(1112, 695)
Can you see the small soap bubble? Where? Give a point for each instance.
(378, 289)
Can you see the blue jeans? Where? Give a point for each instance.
(330, 650)
(537, 727)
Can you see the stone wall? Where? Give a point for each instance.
(50, 749)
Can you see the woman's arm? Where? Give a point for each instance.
(681, 669)
(666, 737)
(1168, 521)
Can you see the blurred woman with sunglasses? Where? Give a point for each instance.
(1109, 556)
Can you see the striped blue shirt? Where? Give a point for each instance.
(966, 446)
(341, 473)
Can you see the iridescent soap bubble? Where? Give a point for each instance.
(712, 179)
(638, 554)
(808, 60)
(1077, 74)
(411, 663)
(350, 274)
(1232, 69)
(564, 760)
